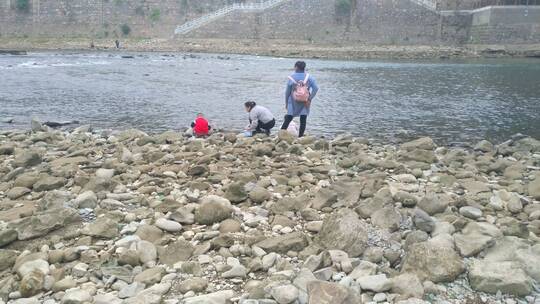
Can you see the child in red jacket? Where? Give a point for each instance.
(200, 126)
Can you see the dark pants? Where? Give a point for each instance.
(303, 123)
(265, 127)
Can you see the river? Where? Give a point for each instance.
(453, 101)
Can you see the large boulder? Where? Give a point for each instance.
(407, 286)
(44, 222)
(344, 231)
(178, 251)
(295, 241)
(476, 237)
(103, 227)
(507, 277)
(213, 209)
(534, 187)
(433, 261)
(331, 293)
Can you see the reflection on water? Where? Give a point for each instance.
(450, 101)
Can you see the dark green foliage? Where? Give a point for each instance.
(343, 7)
(155, 15)
(23, 5)
(125, 29)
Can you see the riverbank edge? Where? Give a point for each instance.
(275, 48)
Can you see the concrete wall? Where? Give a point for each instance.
(506, 25)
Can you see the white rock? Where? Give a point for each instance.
(168, 225)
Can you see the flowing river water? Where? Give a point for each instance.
(452, 101)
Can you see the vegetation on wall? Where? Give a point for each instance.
(155, 15)
(23, 5)
(343, 8)
(126, 30)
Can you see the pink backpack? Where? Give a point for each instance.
(301, 90)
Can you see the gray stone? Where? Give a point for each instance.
(407, 286)
(236, 193)
(87, 199)
(17, 192)
(344, 231)
(284, 294)
(431, 261)
(423, 221)
(470, 212)
(219, 297)
(167, 225)
(32, 283)
(376, 283)
(331, 293)
(103, 227)
(534, 187)
(47, 183)
(178, 251)
(434, 203)
(507, 277)
(64, 284)
(7, 236)
(150, 276)
(259, 195)
(76, 296)
(27, 159)
(237, 271)
(213, 209)
(295, 241)
(194, 284)
(42, 223)
(386, 218)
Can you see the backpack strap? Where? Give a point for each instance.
(307, 78)
(292, 79)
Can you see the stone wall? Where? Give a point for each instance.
(380, 22)
(510, 24)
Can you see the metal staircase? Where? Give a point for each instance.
(428, 4)
(250, 7)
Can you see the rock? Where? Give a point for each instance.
(423, 221)
(197, 170)
(47, 183)
(476, 237)
(32, 283)
(507, 277)
(149, 233)
(178, 251)
(64, 284)
(131, 290)
(7, 236)
(194, 284)
(167, 225)
(259, 195)
(237, 271)
(330, 293)
(17, 192)
(484, 146)
(324, 198)
(386, 218)
(424, 143)
(87, 199)
(470, 212)
(183, 216)
(147, 251)
(7, 149)
(434, 203)
(42, 223)
(284, 294)
(295, 241)
(7, 258)
(76, 296)
(24, 268)
(230, 225)
(376, 283)
(263, 150)
(534, 188)
(236, 193)
(150, 276)
(431, 261)
(219, 297)
(344, 231)
(407, 286)
(286, 136)
(103, 227)
(27, 159)
(213, 209)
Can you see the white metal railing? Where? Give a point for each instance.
(429, 4)
(196, 23)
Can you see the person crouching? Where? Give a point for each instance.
(201, 127)
(261, 120)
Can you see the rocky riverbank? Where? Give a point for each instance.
(127, 217)
(278, 48)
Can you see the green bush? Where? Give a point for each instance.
(155, 15)
(125, 29)
(343, 7)
(23, 5)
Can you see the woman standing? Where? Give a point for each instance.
(300, 92)
(261, 120)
